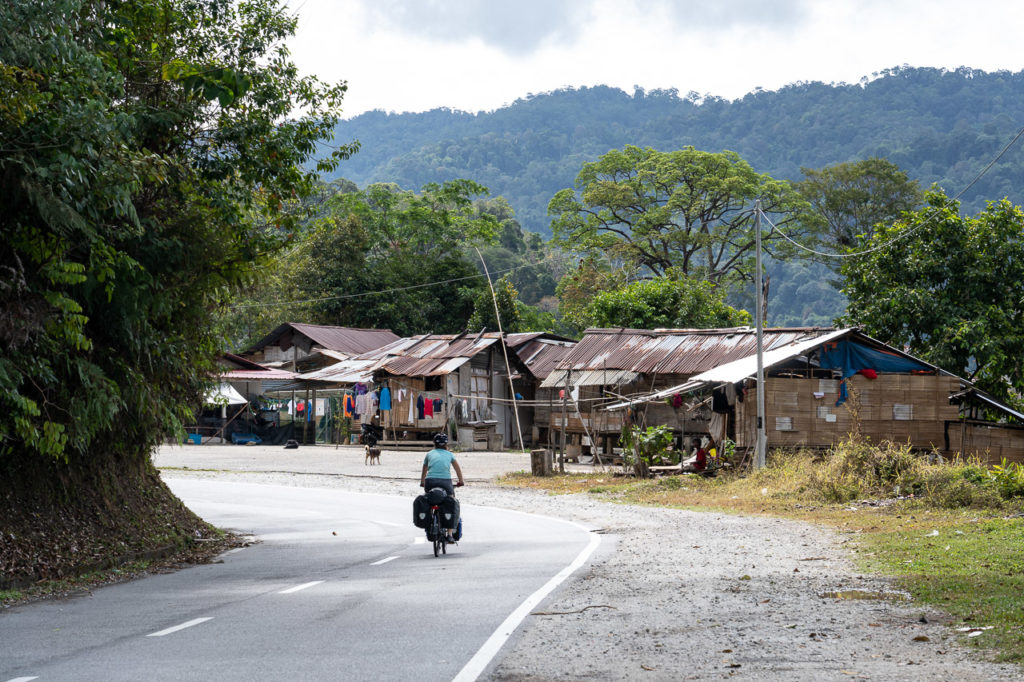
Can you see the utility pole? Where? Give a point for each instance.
(759, 450)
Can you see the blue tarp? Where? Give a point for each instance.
(850, 358)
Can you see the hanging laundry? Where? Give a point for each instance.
(437, 405)
(349, 405)
(361, 389)
(419, 406)
(385, 399)
(428, 407)
(412, 410)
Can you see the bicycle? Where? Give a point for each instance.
(437, 531)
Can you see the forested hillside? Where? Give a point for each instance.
(939, 126)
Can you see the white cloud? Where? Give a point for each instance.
(413, 55)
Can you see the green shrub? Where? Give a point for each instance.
(1008, 479)
(955, 487)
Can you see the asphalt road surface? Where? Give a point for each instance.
(341, 586)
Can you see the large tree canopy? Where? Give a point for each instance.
(853, 197)
(665, 302)
(390, 258)
(689, 210)
(147, 149)
(950, 288)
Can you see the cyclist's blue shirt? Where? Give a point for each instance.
(439, 463)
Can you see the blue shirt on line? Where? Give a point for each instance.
(439, 463)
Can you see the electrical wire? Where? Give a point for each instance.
(906, 233)
(392, 290)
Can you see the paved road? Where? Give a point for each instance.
(340, 587)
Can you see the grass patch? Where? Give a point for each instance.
(970, 568)
(951, 534)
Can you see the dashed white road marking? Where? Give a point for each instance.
(384, 561)
(195, 621)
(23, 679)
(419, 541)
(300, 587)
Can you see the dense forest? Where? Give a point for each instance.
(940, 127)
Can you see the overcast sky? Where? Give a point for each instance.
(478, 55)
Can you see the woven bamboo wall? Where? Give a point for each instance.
(898, 407)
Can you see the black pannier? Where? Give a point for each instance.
(421, 512)
(449, 509)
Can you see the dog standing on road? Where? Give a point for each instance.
(372, 455)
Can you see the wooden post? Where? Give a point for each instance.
(305, 415)
(565, 421)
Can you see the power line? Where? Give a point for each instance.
(912, 230)
(387, 291)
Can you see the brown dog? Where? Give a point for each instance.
(372, 455)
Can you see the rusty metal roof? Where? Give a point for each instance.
(430, 354)
(540, 355)
(674, 351)
(349, 340)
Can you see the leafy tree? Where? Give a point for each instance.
(389, 258)
(523, 255)
(507, 300)
(148, 148)
(578, 288)
(684, 303)
(853, 197)
(949, 288)
(689, 210)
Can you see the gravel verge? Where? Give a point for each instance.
(680, 595)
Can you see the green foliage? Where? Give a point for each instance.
(687, 210)
(939, 126)
(643, 448)
(949, 288)
(148, 148)
(388, 258)
(683, 303)
(853, 197)
(1008, 479)
(507, 299)
(854, 469)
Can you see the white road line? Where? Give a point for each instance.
(23, 679)
(494, 643)
(300, 587)
(189, 624)
(419, 541)
(384, 561)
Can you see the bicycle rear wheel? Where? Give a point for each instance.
(435, 530)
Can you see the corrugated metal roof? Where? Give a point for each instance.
(348, 340)
(736, 370)
(674, 351)
(349, 371)
(430, 354)
(541, 355)
(591, 377)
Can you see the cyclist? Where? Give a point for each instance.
(437, 467)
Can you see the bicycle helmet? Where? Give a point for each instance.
(440, 440)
